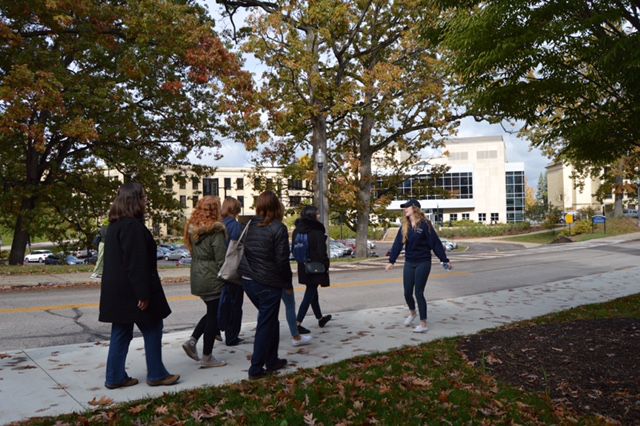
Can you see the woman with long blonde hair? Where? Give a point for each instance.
(204, 236)
(419, 238)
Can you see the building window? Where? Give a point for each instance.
(169, 181)
(255, 201)
(269, 184)
(295, 201)
(466, 216)
(183, 184)
(425, 187)
(453, 217)
(495, 217)
(227, 183)
(195, 183)
(487, 155)
(240, 183)
(458, 156)
(257, 184)
(183, 201)
(241, 200)
(210, 186)
(482, 217)
(295, 184)
(194, 201)
(515, 196)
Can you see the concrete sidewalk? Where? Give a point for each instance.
(64, 379)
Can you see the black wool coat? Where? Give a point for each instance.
(317, 251)
(131, 274)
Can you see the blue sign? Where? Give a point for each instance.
(599, 219)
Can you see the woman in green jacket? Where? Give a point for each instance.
(204, 236)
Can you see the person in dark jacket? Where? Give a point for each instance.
(265, 271)
(230, 310)
(131, 292)
(204, 236)
(419, 238)
(309, 224)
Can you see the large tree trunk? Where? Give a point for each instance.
(364, 186)
(20, 233)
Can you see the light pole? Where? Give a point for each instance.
(320, 163)
(638, 203)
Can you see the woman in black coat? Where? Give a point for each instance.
(131, 292)
(309, 224)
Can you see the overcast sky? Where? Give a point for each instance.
(518, 150)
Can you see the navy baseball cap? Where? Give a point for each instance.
(411, 203)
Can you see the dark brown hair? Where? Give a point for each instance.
(269, 207)
(230, 207)
(130, 202)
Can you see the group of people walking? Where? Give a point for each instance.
(131, 292)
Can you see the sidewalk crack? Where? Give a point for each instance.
(58, 384)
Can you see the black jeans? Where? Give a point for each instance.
(208, 325)
(230, 312)
(310, 298)
(265, 345)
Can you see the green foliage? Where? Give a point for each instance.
(553, 218)
(335, 232)
(568, 70)
(482, 230)
(85, 86)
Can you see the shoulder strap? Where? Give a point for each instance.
(244, 231)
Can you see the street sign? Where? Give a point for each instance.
(599, 219)
(568, 218)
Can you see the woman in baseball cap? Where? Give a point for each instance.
(419, 238)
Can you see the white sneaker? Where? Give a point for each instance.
(95, 276)
(190, 349)
(305, 339)
(408, 320)
(420, 329)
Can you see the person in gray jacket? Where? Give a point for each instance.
(204, 236)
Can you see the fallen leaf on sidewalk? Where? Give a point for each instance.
(102, 402)
(3, 356)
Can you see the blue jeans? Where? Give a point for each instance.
(265, 346)
(310, 298)
(414, 277)
(290, 311)
(121, 335)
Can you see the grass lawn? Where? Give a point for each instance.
(614, 227)
(425, 384)
(39, 269)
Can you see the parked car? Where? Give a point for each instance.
(184, 261)
(177, 254)
(346, 251)
(161, 252)
(449, 245)
(351, 242)
(61, 259)
(37, 256)
(630, 213)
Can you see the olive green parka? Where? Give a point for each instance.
(207, 253)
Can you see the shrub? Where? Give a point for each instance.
(581, 227)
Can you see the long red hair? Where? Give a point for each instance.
(203, 219)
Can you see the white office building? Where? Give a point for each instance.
(480, 185)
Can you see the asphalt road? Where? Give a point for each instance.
(63, 316)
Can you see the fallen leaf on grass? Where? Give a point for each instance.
(309, 420)
(102, 402)
(138, 409)
(162, 410)
(493, 360)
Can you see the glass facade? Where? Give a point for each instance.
(515, 196)
(424, 187)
